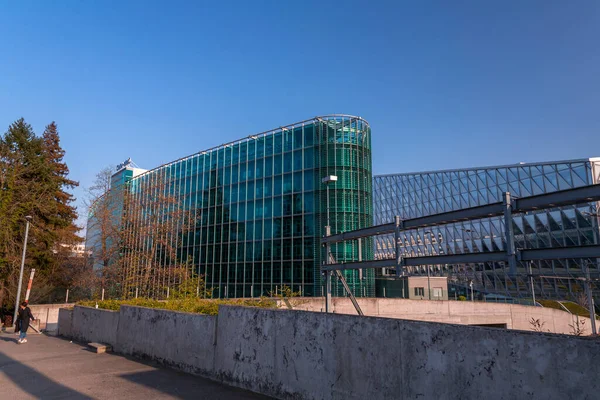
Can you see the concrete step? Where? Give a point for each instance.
(99, 347)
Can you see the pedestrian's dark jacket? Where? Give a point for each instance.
(24, 317)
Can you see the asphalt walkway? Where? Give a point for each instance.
(53, 368)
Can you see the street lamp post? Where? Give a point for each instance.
(327, 180)
(471, 286)
(27, 219)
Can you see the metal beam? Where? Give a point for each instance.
(350, 294)
(360, 233)
(473, 258)
(567, 197)
(465, 214)
(592, 251)
(495, 256)
(391, 262)
(583, 194)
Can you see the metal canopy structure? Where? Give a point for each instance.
(555, 199)
(506, 208)
(495, 256)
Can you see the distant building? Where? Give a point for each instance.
(105, 214)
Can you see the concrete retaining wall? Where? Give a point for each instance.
(182, 340)
(307, 355)
(65, 322)
(46, 316)
(95, 325)
(315, 355)
(514, 316)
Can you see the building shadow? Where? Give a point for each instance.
(31, 381)
(181, 385)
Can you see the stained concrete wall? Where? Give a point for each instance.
(514, 316)
(94, 325)
(326, 356)
(182, 340)
(65, 322)
(46, 316)
(308, 355)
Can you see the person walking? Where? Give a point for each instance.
(25, 317)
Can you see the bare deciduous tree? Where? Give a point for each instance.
(153, 228)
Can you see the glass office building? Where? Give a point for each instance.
(413, 195)
(259, 208)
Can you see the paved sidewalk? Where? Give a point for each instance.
(52, 368)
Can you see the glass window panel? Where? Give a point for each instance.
(287, 228)
(309, 226)
(234, 193)
(308, 181)
(277, 228)
(297, 206)
(251, 149)
(259, 168)
(308, 135)
(269, 145)
(242, 191)
(288, 140)
(234, 174)
(268, 207)
(309, 205)
(250, 210)
(259, 188)
(250, 190)
(287, 205)
(227, 176)
(249, 233)
(277, 206)
(268, 229)
(242, 212)
(287, 183)
(298, 138)
(278, 146)
(277, 166)
(268, 187)
(268, 166)
(277, 185)
(287, 162)
(297, 160)
(243, 152)
(309, 161)
(250, 169)
(258, 226)
(297, 182)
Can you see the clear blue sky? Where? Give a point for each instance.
(444, 84)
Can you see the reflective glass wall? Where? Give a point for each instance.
(419, 194)
(259, 208)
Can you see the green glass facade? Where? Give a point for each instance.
(260, 208)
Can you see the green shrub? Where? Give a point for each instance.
(190, 304)
(462, 298)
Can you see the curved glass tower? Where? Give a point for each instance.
(258, 209)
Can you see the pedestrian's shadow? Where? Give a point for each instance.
(9, 339)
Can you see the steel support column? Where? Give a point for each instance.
(590, 298)
(510, 236)
(397, 227)
(328, 307)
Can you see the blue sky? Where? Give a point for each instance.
(443, 84)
